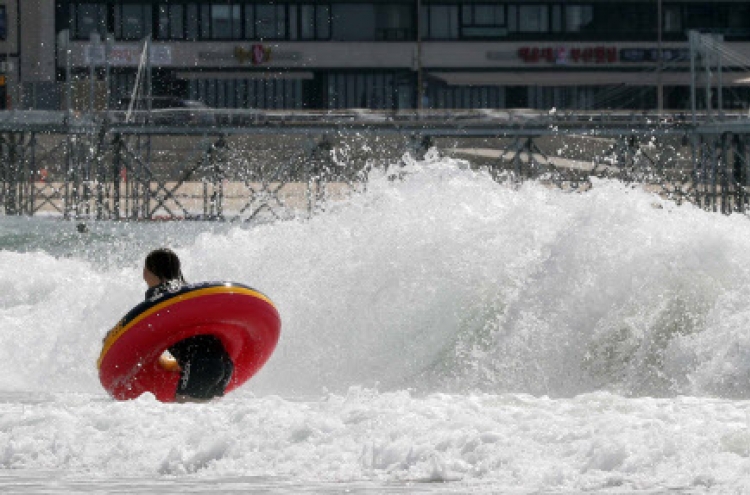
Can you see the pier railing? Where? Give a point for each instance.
(242, 165)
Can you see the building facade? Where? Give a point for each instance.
(377, 54)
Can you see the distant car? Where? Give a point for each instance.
(167, 110)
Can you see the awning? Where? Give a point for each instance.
(570, 78)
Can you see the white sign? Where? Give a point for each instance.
(126, 55)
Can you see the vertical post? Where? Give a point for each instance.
(727, 201)
(9, 95)
(660, 68)
(116, 177)
(708, 61)
(107, 71)
(693, 75)
(720, 68)
(420, 82)
(150, 103)
(34, 173)
(149, 82)
(713, 163)
(68, 79)
(93, 53)
(66, 185)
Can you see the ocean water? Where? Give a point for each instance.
(441, 333)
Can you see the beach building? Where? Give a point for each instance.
(376, 54)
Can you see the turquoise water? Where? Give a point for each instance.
(440, 333)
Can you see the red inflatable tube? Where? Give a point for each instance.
(245, 321)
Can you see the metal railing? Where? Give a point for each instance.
(245, 165)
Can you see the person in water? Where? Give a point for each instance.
(204, 365)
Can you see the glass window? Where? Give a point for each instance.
(672, 18)
(270, 21)
(163, 29)
(132, 21)
(323, 22)
(249, 22)
(314, 22)
(483, 20)
(393, 22)
(307, 22)
(176, 22)
(90, 18)
(3, 23)
(699, 16)
(467, 13)
(225, 22)
(738, 19)
(513, 18)
(557, 18)
(353, 21)
(294, 28)
(634, 18)
(171, 22)
(205, 22)
(578, 17)
(443, 22)
(191, 21)
(533, 18)
(489, 15)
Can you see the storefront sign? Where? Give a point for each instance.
(257, 54)
(652, 54)
(564, 55)
(126, 55)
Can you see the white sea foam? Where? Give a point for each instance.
(439, 327)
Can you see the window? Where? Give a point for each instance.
(205, 22)
(443, 22)
(672, 18)
(307, 22)
(624, 20)
(249, 22)
(87, 18)
(270, 22)
(738, 21)
(314, 22)
(557, 18)
(171, 22)
(323, 22)
(578, 17)
(483, 20)
(132, 21)
(226, 22)
(3, 23)
(191, 21)
(533, 18)
(353, 21)
(700, 16)
(393, 22)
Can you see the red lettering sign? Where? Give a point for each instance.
(564, 55)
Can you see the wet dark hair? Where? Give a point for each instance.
(165, 264)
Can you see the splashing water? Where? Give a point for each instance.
(439, 327)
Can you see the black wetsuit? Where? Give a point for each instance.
(205, 365)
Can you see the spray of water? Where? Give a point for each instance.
(440, 280)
